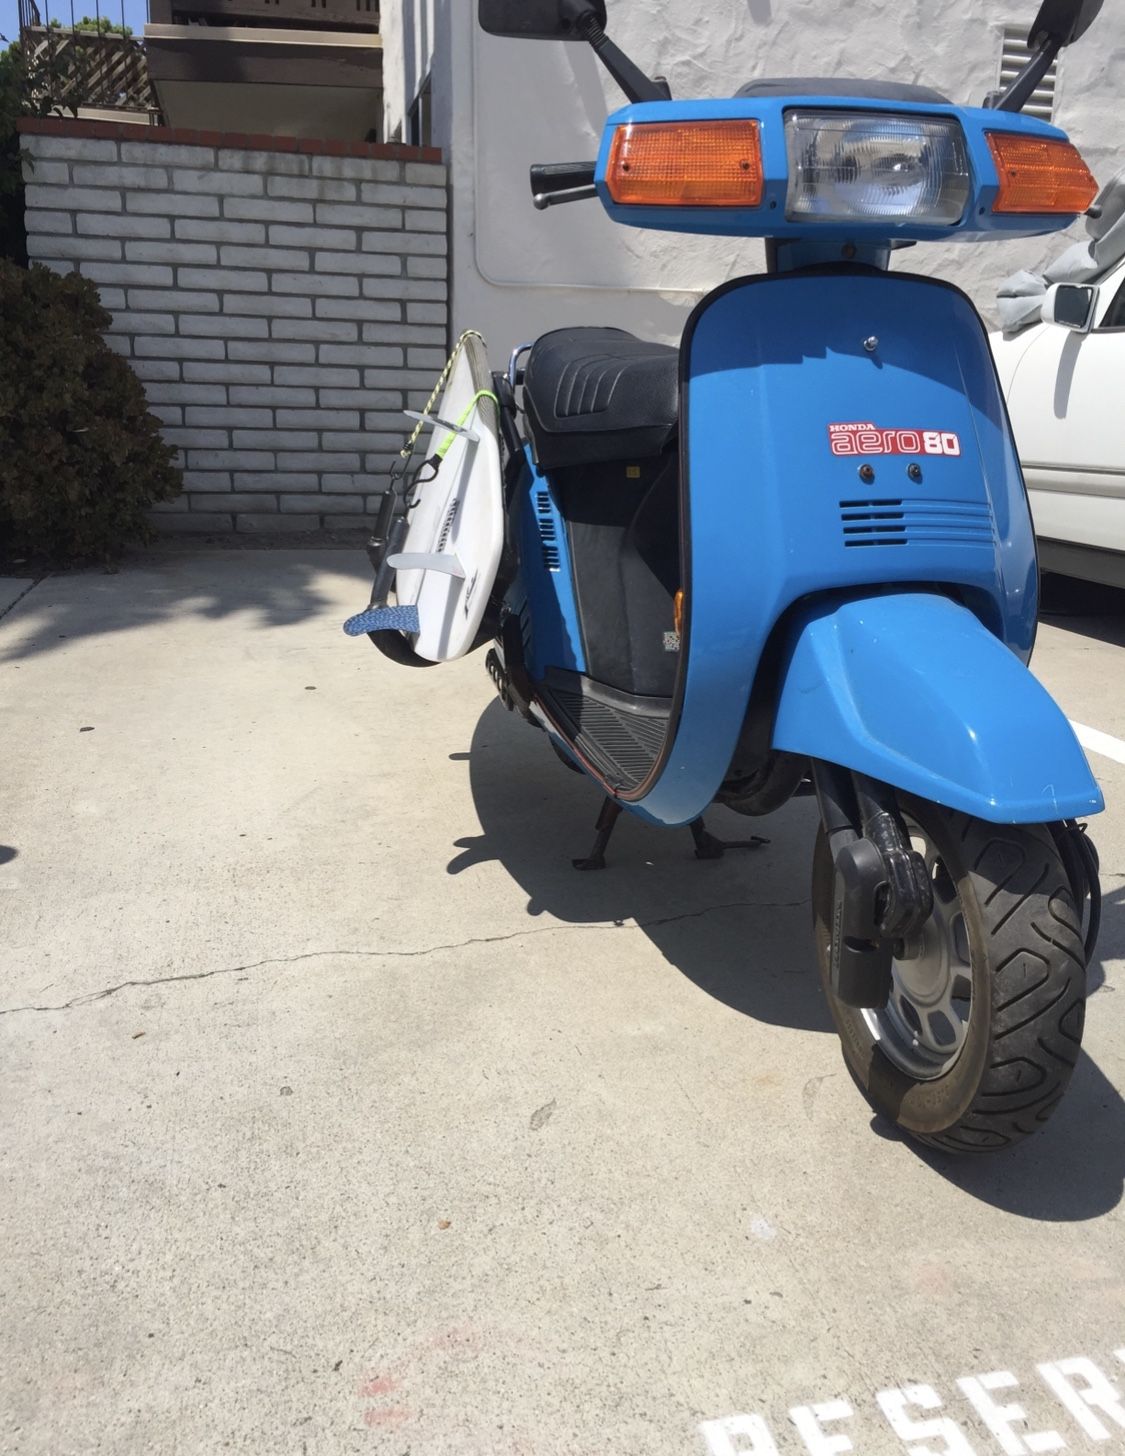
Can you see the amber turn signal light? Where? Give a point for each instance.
(686, 164)
(1039, 174)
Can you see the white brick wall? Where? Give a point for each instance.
(281, 309)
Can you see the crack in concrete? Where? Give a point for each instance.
(90, 997)
(30, 588)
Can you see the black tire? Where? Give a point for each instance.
(395, 646)
(1023, 1030)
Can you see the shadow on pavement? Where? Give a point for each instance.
(1071, 1171)
(1085, 608)
(168, 584)
(707, 921)
(1111, 939)
(1075, 1168)
(7, 854)
(711, 920)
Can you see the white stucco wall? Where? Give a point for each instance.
(501, 105)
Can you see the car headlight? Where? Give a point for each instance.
(848, 166)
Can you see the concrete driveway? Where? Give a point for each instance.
(337, 1114)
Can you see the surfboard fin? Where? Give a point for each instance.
(440, 424)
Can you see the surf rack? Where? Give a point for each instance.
(385, 548)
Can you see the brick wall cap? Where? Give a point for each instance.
(184, 136)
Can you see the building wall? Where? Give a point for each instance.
(506, 104)
(282, 303)
(417, 39)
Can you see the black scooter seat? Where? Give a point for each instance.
(594, 394)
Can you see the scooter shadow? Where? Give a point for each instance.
(739, 928)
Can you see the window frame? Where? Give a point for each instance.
(1115, 277)
(420, 118)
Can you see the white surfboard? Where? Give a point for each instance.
(448, 564)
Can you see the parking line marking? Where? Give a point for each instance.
(1098, 742)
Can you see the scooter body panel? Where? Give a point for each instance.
(842, 431)
(552, 632)
(909, 688)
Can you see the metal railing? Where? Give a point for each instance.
(79, 63)
(361, 15)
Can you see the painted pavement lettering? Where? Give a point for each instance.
(980, 1416)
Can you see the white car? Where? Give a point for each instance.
(1063, 380)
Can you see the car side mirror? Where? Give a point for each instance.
(535, 19)
(1073, 305)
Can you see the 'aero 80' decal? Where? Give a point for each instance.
(867, 439)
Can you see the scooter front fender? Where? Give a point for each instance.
(910, 688)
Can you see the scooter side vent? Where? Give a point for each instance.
(903, 522)
(548, 530)
(873, 523)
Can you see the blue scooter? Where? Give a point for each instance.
(795, 556)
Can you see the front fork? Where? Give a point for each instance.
(883, 892)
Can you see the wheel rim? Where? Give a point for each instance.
(922, 1028)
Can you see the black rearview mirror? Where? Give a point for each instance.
(1062, 22)
(1059, 23)
(583, 20)
(533, 19)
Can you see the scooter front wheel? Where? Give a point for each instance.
(982, 1029)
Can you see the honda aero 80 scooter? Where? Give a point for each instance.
(794, 556)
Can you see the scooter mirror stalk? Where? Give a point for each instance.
(632, 80)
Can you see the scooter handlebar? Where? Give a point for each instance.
(553, 183)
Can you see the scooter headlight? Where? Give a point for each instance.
(847, 166)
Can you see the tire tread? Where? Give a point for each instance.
(1029, 971)
(1028, 1026)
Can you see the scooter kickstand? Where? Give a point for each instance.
(607, 821)
(708, 847)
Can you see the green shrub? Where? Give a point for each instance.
(81, 459)
(60, 80)
(98, 24)
(13, 237)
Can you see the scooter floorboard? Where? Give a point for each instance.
(619, 734)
